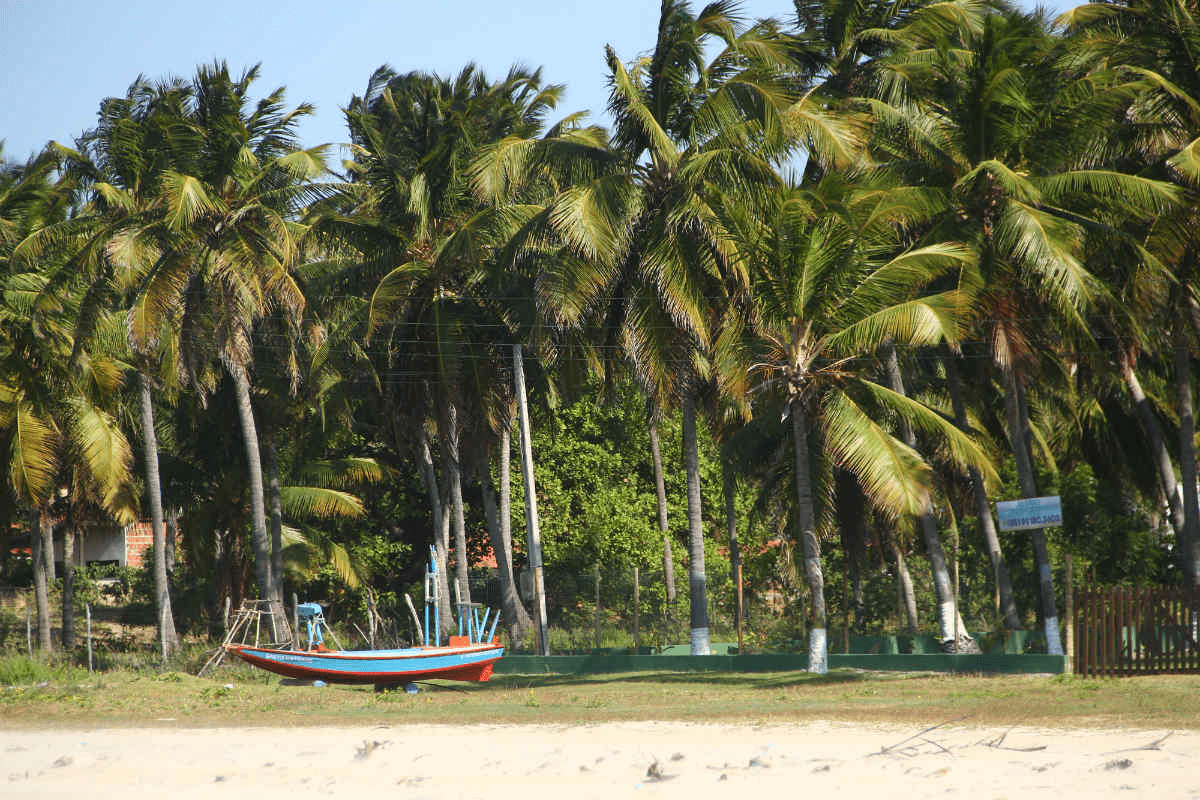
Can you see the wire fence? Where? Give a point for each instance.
(602, 609)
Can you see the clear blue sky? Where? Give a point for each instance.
(60, 58)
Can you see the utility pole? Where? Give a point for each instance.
(531, 512)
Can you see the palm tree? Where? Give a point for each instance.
(689, 134)
(416, 136)
(967, 106)
(231, 209)
(27, 203)
(640, 253)
(826, 294)
(949, 617)
(52, 408)
(115, 239)
(1154, 42)
(842, 47)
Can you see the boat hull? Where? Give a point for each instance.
(381, 667)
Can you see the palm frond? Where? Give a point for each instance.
(33, 460)
(963, 450)
(343, 472)
(186, 199)
(1128, 193)
(107, 455)
(313, 502)
(890, 472)
(392, 292)
(1043, 247)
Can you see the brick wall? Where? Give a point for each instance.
(138, 538)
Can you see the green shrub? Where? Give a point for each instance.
(19, 669)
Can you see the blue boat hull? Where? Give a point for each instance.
(471, 662)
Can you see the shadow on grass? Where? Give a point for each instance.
(759, 680)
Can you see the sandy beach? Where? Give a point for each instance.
(652, 759)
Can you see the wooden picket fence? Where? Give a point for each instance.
(1137, 631)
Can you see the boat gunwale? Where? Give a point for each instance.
(375, 655)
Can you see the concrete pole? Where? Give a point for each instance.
(531, 512)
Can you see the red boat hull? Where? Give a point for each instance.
(381, 667)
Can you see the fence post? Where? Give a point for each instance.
(596, 573)
(1070, 637)
(740, 608)
(845, 612)
(295, 622)
(371, 616)
(162, 624)
(87, 607)
(637, 612)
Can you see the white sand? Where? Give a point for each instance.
(827, 760)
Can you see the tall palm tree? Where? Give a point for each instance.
(416, 137)
(642, 255)
(967, 107)
(27, 202)
(115, 239)
(1154, 41)
(54, 410)
(827, 293)
(231, 210)
(842, 47)
(690, 134)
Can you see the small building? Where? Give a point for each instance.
(122, 545)
(117, 545)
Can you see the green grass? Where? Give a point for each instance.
(235, 695)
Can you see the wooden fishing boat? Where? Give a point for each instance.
(460, 660)
(470, 656)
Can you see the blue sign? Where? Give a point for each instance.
(1032, 512)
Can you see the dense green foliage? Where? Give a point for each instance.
(866, 269)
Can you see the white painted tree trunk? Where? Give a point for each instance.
(983, 508)
(697, 576)
(1018, 423)
(818, 647)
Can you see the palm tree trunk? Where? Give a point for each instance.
(47, 532)
(1018, 431)
(983, 507)
(217, 590)
(259, 536)
(660, 488)
(531, 511)
(68, 589)
(39, 532)
(517, 618)
(907, 611)
(165, 620)
(729, 487)
(851, 505)
(1156, 442)
(697, 577)
(506, 486)
(1189, 550)
(818, 649)
(172, 532)
(452, 468)
(441, 525)
(429, 477)
(275, 507)
(522, 622)
(948, 614)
